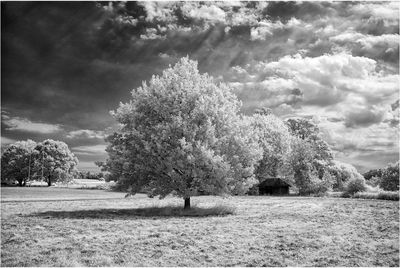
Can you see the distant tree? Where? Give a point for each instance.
(299, 165)
(17, 162)
(303, 128)
(263, 111)
(309, 132)
(373, 173)
(303, 167)
(182, 134)
(54, 161)
(343, 173)
(274, 139)
(390, 177)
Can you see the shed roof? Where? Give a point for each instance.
(274, 182)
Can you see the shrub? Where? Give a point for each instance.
(254, 190)
(385, 195)
(388, 195)
(355, 185)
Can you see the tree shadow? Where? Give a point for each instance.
(147, 212)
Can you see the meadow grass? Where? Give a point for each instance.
(262, 231)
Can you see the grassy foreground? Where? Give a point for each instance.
(264, 231)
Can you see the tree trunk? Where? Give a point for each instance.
(187, 203)
(20, 183)
(49, 182)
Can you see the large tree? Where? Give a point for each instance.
(17, 162)
(182, 134)
(54, 161)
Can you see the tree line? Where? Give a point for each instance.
(386, 178)
(50, 161)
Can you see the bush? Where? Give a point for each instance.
(389, 195)
(355, 185)
(254, 190)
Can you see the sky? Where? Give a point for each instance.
(65, 66)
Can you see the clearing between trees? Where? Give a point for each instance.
(270, 231)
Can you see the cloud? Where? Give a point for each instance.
(384, 46)
(25, 125)
(324, 81)
(210, 13)
(5, 140)
(364, 117)
(86, 134)
(387, 11)
(98, 149)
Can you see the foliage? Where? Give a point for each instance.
(309, 132)
(302, 172)
(377, 173)
(182, 134)
(343, 172)
(274, 139)
(90, 176)
(54, 161)
(355, 185)
(374, 181)
(390, 177)
(17, 162)
(303, 128)
(254, 190)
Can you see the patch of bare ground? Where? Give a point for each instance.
(263, 231)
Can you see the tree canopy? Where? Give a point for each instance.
(54, 161)
(274, 140)
(181, 133)
(17, 162)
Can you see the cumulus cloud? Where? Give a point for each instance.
(25, 125)
(387, 11)
(209, 13)
(323, 81)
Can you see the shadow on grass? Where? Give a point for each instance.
(168, 211)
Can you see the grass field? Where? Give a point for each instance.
(265, 231)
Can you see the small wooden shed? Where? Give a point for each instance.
(273, 186)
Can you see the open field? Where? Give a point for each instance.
(265, 231)
(25, 194)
